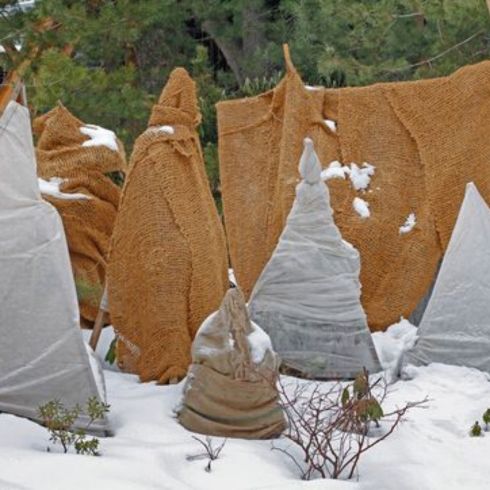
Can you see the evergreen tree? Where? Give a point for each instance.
(107, 60)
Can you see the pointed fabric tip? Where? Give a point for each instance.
(178, 102)
(65, 128)
(309, 165)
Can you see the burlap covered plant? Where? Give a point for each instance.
(426, 139)
(168, 263)
(231, 384)
(66, 151)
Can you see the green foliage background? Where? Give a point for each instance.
(107, 60)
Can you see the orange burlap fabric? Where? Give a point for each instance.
(227, 392)
(168, 261)
(427, 139)
(88, 223)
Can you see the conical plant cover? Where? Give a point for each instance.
(231, 384)
(455, 328)
(308, 295)
(42, 353)
(88, 222)
(168, 263)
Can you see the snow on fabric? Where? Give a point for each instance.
(455, 328)
(99, 137)
(361, 176)
(51, 188)
(230, 389)
(166, 129)
(334, 171)
(409, 224)
(361, 207)
(331, 124)
(308, 295)
(42, 355)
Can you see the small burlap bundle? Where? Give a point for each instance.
(88, 222)
(427, 139)
(168, 262)
(231, 384)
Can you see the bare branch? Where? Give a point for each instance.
(440, 55)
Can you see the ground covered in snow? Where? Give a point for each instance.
(431, 450)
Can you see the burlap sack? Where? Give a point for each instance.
(426, 139)
(231, 384)
(168, 263)
(88, 223)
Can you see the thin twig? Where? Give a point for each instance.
(436, 57)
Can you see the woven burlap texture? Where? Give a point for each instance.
(227, 394)
(427, 139)
(88, 223)
(168, 262)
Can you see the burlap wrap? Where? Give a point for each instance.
(426, 139)
(88, 223)
(168, 261)
(228, 393)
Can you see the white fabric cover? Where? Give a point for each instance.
(42, 353)
(308, 295)
(455, 328)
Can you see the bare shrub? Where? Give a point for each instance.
(331, 425)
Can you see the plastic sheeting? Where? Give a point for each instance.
(308, 295)
(455, 328)
(42, 353)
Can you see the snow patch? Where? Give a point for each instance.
(361, 176)
(335, 170)
(99, 137)
(409, 224)
(259, 343)
(392, 344)
(361, 207)
(166, 129)
(331, 124)
(51, 188)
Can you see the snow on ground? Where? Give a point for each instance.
(99, 137)
(431, 450)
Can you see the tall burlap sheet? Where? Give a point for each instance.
(88, 223)
(427, 139)
(168, 262)
(230, 389)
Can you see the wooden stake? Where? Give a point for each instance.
(99, 321)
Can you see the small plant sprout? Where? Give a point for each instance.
(211, 453)
(486, 418)
(59, 422)
(476, 430)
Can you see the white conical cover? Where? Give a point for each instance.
(455, 328)
(308, 295)
(42, 353)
